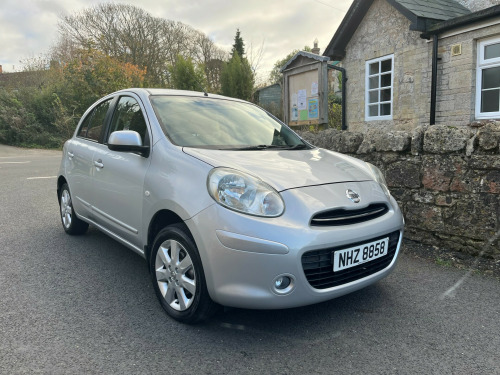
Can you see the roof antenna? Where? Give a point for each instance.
(201, 87)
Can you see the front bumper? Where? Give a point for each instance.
(242, 255)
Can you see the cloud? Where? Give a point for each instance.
(28, 28)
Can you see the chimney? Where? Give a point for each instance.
(315, 50)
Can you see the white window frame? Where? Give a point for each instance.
(367, 89)
(482, 64)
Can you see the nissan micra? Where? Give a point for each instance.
(226, 203)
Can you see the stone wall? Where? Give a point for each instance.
(446, 179)
(476, 5)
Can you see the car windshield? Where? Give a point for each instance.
(221, 124)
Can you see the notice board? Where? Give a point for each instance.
(303, 98)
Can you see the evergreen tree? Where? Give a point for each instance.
(186, 76)
(237, 78)
(238, 45)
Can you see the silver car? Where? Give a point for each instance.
(227, 205)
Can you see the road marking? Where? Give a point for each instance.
(14, 162)
(40, 178)
(28, 156)
(12, 157)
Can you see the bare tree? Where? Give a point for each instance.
(212, 58)
(130, 34)
(65, 50)
(254, 55)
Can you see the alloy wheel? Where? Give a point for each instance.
(175, 275)
(66, 208)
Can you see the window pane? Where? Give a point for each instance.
(491, 78)
(385, 80)
(492, 51)
(490, 101)
(373, 96)
(386, 65)
(385, 95)
(97, 122)
(385, 109)
(82, 132)
(374, 68)
(373, 82)
(373, 110)
(128, 116)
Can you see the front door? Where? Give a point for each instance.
(119, 176)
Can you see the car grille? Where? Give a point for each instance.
(342, 216)
(318, 264)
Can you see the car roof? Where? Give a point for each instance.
(171, 92)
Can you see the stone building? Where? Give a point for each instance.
(412, 63)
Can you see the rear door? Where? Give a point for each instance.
(80, 153)
(119, 176)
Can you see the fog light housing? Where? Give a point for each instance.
(283, 284)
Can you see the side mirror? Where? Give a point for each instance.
(127, 141)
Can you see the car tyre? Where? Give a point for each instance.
(70, 222)
(178, 276)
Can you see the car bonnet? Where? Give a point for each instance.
(288, 169)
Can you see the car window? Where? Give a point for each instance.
(128, 116)
(82, 132)
(97, 121)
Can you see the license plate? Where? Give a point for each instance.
(353, 256)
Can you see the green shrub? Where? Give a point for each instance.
(335, 116)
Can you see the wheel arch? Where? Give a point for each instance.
(160, 220)
(60, 182)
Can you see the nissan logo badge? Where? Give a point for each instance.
(352, 195)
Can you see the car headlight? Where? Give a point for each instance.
(241, 192)
(379, 177)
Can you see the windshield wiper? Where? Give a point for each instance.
(299, 146)
(267, 147)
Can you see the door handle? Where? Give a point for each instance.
(70, 155)
(99, 164)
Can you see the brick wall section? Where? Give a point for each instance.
(446, 179)
(385, 31)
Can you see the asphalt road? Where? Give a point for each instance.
(85, 305)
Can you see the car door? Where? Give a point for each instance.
(80, 153)
(119, 176)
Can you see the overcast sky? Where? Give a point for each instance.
(29, 27)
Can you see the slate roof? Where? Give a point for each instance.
(435, 9)
(481, 15)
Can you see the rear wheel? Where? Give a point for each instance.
(178, 277)
(71, 223)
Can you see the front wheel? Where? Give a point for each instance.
(178, 277)
(71, 223)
